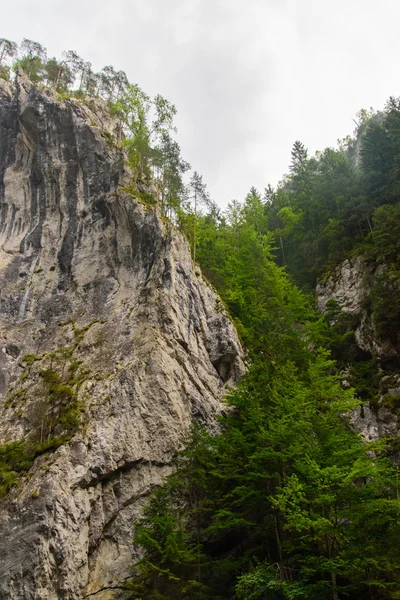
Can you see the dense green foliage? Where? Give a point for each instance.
(285, 503)
(341, 201)
(288, 501)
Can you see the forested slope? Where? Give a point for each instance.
(289, 501)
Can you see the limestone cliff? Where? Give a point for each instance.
(350, 285)
(102, 311)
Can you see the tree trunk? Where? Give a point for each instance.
(194, 228)
(278, 539)
(283, 250)
(329, 547)
(370, 228)
(335, 595)
(57, 79)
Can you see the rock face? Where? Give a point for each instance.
(349, 285)
(99, 293)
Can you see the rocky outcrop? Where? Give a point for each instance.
(99, 296)
(350, 285)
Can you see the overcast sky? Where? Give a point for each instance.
(248, 77)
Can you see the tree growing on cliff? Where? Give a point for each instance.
(198, 195)
(112, 83)
(147, 124)
(58, 75)
(8, 50)
(169, 169)
(32, 60)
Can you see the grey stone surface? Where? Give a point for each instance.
(78, 252)
(348, 285)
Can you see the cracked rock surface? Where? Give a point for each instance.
(83, 266)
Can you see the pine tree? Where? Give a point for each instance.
(199, 195)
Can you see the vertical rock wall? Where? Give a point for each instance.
(349, 285)
(91, 282)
